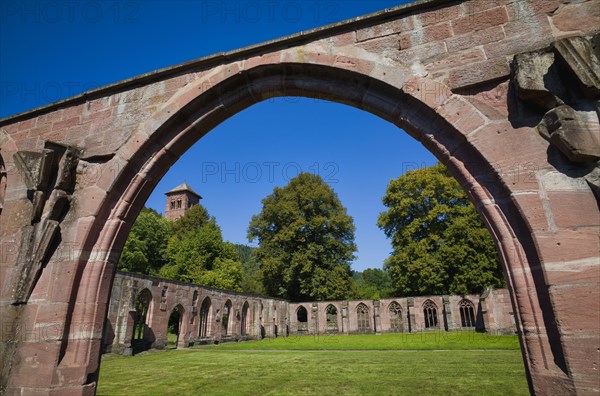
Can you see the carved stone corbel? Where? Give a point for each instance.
(563, 81)
(50, 179)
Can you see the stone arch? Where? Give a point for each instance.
(363, 318)
(443, 122)
(176, 325)
(142, 336)
(467, 313)
(331, 316)
(395, 314)
(427, 121)
(227, 318)
(244, 319)
(302, 319)
(430, 315)
(204, 322)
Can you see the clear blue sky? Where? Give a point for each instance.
(53, 50)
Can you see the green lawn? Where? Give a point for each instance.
(403, 341)
(354, 365)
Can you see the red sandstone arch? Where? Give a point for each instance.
(183, 330)
(244, 319)
(475, 143)
(203, 112)
(154, 155)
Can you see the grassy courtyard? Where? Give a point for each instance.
(398, 364)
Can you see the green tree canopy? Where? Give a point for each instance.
(145, 249)
(306, 241)
(252, 277)
(197, 253)
(440, 245)
(372, 284)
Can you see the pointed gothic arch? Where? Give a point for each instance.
(205, 328)
(331, 313)
(477, 142)
(363, 318)
(302, 319)
(395, 313)
(244, 319)
(467, 313)
(430, 314)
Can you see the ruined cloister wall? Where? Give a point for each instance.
(503, 92)
(275, 317)
(166, 295)
(412, 317)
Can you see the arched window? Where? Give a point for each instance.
(395, 311)
(175, 321)
(332, 318)
(362, 317)
(226, 317)
(467, 313)
(244, 319)
(142, 304)
(302, 316)
(205, 314)
(430, 313)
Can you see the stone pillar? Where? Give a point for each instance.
(128, 334)
(482, 321)
(449, 324)
(345, 321)
(314, 314)
(376, 317)
(410, 304)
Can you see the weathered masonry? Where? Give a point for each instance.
(141, 306)
(503, 92)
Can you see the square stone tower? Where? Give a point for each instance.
(180, 199)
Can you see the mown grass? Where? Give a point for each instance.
(402, 341)
(355, 365)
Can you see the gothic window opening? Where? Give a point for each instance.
(395, 311)
(226, 317)
(302, 316)
(430, 313)
(179, 204)
(174, 326)
(142, 306)
(205, 314)
(332, 318)
(362, 317)
(172, 205)
(467, 313)
(244, 319)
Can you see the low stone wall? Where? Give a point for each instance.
(140, 308)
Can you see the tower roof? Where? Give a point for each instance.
(183, 187)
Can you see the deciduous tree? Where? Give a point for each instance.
(197, 253)
(306, 241)
(440, 245)
(145, 248)
(372, 284)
